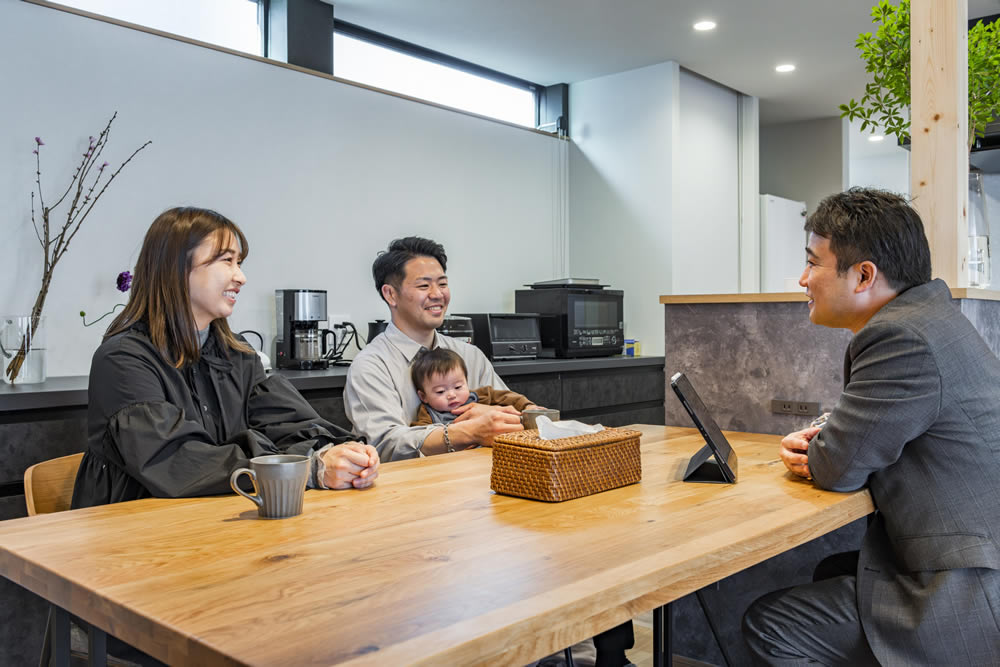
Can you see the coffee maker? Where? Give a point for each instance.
(300, 343)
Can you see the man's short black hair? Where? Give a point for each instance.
(389, 266)
(438, 361)
(866, 224)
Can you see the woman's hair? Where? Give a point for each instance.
(160, 293)
(438, 361)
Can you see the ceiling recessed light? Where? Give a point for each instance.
(876, 137)
(704, 25)
(788, 67)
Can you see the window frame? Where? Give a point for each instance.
(408, 48)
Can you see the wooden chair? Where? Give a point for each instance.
(48, 487)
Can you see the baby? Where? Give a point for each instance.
(440, 378)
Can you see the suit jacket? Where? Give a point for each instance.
(919, 424)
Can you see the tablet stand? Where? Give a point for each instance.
(704, 467)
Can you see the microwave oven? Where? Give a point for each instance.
(504, 336)
(576, 321)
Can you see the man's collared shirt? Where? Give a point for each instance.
(380, 398)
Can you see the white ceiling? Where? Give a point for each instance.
(565, 41)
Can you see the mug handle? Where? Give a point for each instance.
(255, 497)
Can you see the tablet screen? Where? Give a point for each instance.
(724, 454)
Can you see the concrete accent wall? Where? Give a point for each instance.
(740, 356)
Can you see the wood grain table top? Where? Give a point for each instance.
(427, 567)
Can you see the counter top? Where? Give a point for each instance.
(791, 297)
(71, 391)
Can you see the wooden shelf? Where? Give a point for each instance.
(794, 297)
(765, 297)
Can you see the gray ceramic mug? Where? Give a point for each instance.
(279, 482)
(528, 417)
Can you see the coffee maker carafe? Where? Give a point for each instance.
(301, 342)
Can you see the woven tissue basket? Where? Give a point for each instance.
(524, 465)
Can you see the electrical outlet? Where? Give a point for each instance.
(806, 409)
(780, 407)
(798, 408)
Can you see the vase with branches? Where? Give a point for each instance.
(55, 231)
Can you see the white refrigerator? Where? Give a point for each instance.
(782, 243)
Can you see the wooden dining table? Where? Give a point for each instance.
(427, 567)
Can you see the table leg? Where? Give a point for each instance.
(715, 631)
(60, 637)
(98, 650)
(663, 646)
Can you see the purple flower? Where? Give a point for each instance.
(38, 140)
(104, 165)
(35, 151)
(124, 281)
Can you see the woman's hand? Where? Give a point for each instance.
(351, 464)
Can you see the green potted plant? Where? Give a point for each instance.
(886, 53)
(886, 104)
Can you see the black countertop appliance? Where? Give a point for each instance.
(301, 342)
(505, 335)
(459, 327)
(577, 318)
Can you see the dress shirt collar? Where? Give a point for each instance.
(406, 345)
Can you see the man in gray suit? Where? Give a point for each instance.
(918, 423)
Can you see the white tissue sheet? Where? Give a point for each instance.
(550, 430)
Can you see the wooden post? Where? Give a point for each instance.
(939, 161)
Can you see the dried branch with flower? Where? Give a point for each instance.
(123, 282)
(90, 180)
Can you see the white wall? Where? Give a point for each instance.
(319, 174)
(883, 164)
(706, 224)
(886, 172)
(623, 129)
(805, 161)
(991, 186)
(654, 189)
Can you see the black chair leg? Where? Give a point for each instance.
(97, 640)
(60, 636)
(568, 653)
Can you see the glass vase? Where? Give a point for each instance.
(21, 345)
(979, 233)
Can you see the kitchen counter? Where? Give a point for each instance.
(71, 391)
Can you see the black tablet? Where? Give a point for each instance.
(701, 468)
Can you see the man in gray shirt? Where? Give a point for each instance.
(380, 398)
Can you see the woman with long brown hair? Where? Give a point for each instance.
(177, 400)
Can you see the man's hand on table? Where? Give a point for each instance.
(351, 464)
(480, 423)
(794, 450)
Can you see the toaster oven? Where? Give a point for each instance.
(505, 335)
